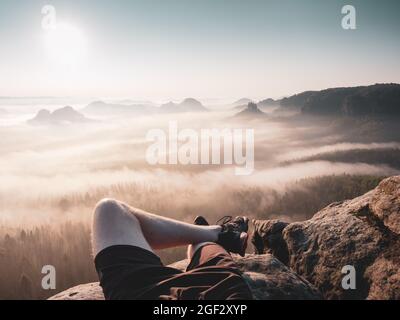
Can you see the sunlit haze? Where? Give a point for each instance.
(205, 49)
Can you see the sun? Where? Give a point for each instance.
(65, 44)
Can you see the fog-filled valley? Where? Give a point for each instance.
(56, 165)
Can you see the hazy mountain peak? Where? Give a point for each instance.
(104, 108)
(187, 105)
(99, 102)
(252, 110)
(242, 101)
(191, 101)
(62, 115)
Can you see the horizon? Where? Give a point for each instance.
(169, 50)
(203, 100)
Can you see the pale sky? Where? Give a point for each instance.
(170, 49)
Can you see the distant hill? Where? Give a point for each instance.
(241, 102)
(379, 99)
(268, 103)
(187, 105)
(240, 107)
(59, 116)
(103, 108)
(375, 100)
(252, 111)
(297, 100)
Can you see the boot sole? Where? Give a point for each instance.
(242, 252)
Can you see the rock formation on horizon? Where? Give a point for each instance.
(268, 103)
(103, 108)
(187, 105)
(241, 103)
(251, 111)
(59, 116)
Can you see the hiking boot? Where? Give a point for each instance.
(233, 236)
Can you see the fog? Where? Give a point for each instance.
(53, 174)
(41, 166)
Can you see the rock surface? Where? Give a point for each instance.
(267, 277)
(363, 232)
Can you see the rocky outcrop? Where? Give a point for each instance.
(267, 238)
(251, 111)
(268, 278)
(89, 291)
(363, 233)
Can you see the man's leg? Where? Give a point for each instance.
(115, 223)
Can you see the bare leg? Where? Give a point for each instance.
(115, 223)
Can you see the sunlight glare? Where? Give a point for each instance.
(66, 44)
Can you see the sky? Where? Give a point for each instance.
(171, 49)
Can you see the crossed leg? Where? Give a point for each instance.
(115, 223)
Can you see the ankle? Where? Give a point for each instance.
(217, 229)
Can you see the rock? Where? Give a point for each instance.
(90, 291)
(385, 203)
(363, 232)
(251, 111)
(268, 278)
(267, 238)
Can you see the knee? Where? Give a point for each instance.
(113, 211)
(106, 208)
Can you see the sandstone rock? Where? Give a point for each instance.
(267, 238)
(385, 203)
(363, 232)
(90, 291)
(267, 277)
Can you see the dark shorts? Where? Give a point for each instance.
(133, 273)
